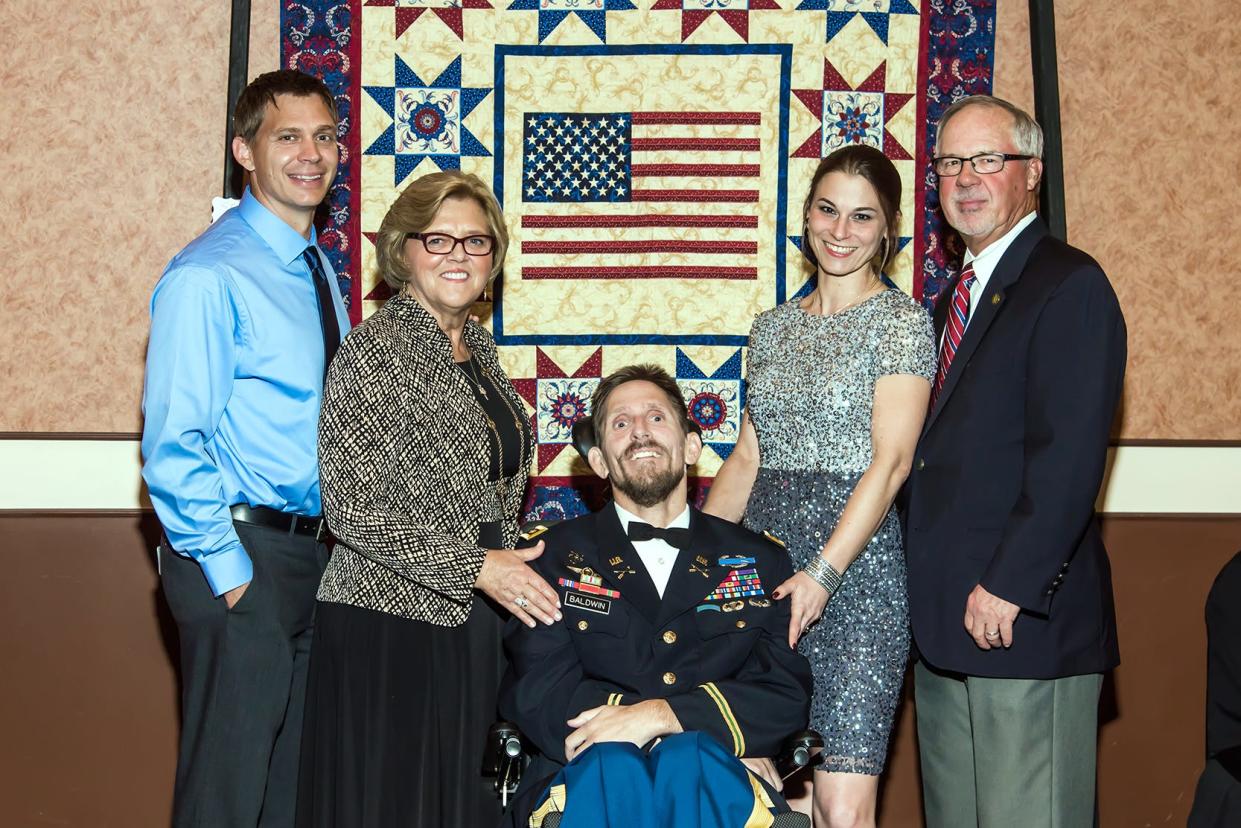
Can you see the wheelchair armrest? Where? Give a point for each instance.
(799, 750)
(505, 758)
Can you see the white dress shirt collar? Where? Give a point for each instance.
(658, 556)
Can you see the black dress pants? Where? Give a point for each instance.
(243, 673)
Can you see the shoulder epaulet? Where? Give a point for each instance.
(532, 530)
(767, 534)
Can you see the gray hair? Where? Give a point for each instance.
(1027, 134)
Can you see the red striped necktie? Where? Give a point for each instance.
(958, 315)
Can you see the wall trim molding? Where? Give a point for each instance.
(76, 513)
(101, 474)
(70, 435)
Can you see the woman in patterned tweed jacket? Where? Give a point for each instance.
(423, 453)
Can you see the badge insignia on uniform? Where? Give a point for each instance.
(575, 561)
(708, 608)
(619, 568)
(533, 532)
(767, 534)
(736, 561)
(700, 566)
(760, 602)
(740, 583)
(733, 606)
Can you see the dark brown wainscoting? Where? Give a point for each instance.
(88, 703)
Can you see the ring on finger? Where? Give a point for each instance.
(520, 602)
(989, 634)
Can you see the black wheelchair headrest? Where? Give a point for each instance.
(584, 435)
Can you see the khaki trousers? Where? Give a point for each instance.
(1007, 753)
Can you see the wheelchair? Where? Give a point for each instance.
(507, 756)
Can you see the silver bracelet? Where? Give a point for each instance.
(824, 574)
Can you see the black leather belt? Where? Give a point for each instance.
(315, 527)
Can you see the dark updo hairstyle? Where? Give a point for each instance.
(874, 166)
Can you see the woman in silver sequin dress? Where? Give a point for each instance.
(838, 388)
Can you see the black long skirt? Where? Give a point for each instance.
(397, 713)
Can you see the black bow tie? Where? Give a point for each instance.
(645, 531)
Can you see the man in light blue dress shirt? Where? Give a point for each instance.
(243, 323)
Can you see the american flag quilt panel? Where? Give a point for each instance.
(651, 158)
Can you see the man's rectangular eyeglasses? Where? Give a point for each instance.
(984, 163)
(441, 244)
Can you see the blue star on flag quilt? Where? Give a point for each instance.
(714, 402)
(594, 13)
(428, 119)
(805, 289)
(874, 12)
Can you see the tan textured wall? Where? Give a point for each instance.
(1152, 160)
(114, 127)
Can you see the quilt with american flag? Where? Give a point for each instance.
(651, 158)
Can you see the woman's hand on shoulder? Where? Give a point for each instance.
(808, 602)
(509, 580)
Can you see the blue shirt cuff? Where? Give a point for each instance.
(227, 569)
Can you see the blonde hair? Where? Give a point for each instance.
(415, 209)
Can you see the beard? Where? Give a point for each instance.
(650, 488)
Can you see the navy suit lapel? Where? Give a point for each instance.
(617, 562)
(990, 304)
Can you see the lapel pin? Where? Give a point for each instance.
(997, 298)
(619, 568)
(700, 566)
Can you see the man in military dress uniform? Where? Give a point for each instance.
(669, 628)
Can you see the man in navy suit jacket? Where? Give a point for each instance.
(1010, 586)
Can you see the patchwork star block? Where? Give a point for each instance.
(428, 119)
(736, 13)
(448, 11)
(852, 115)
(594, 13)
(559, 400)
(714, 402)
(874, 12)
